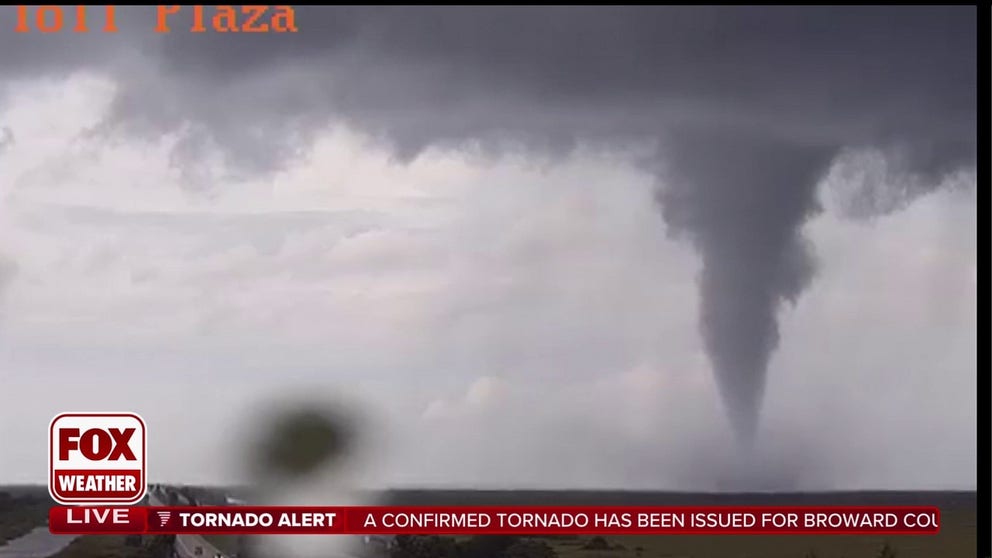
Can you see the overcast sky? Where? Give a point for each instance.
(449, 220)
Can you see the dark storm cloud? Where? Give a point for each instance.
(749, 107)
(552, 75)
(26, 54)
(843, 75)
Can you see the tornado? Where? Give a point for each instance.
(742, 201)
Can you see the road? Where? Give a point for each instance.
(38, 543)
(186, 545)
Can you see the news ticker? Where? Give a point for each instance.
(502, 520)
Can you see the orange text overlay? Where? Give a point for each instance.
(166, 19)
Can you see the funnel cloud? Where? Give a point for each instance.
(742, 201)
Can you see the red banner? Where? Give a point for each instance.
(519, 520)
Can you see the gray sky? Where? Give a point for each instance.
(449, 218)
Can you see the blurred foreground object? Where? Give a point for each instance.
(300, 442)
(302, 451)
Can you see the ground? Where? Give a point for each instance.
(27, 508)
(957, 539)
(227, 544)
(21, 510)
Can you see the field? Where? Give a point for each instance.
(21, 510)
(957, 538)
(946, 545)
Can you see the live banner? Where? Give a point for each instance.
(487, 520)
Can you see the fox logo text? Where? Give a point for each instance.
(97, 458)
